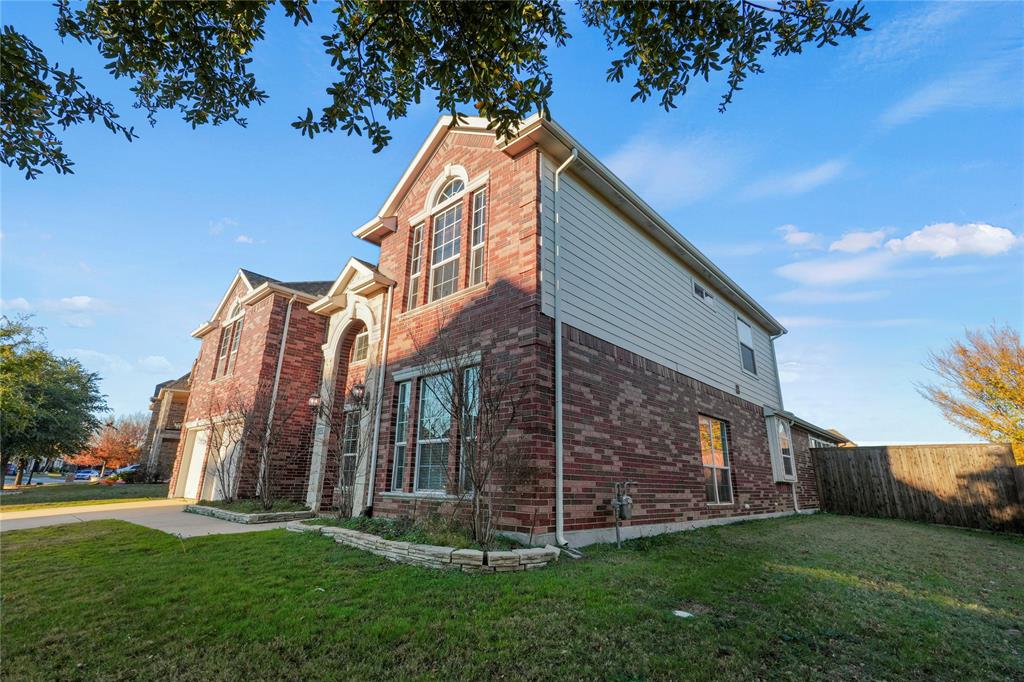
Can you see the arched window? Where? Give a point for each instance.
(450, 189)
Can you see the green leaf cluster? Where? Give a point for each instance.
(49, 405)
(194, 56)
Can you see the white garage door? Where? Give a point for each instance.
(195, 465)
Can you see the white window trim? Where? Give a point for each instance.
(415, 261)
(397, 482)
(426, 441)
(726, 457)
(740, 344)
(355, 345)
(474, 249)
(775, 449)
(708, 298)
(434, 267)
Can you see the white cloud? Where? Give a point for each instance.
(244, 239)
(79, 320)
(77, 304)
(797, 182)
(831, 271)
(855, 242)
(943, 240)
(155, 364)
(218, 226)
(798, 238)
(102, 362)
(824, 296)
(992, 84)
(673, 172)
(905, 37)
(803, 322)
(18, 304)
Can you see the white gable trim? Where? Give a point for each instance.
(336, 297)
(470, 124)
(205, 328)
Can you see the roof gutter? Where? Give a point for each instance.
(559, 432)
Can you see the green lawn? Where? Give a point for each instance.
(818, 597)
(74, 494)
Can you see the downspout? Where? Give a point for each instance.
(277, 379)
(381, 370)
(556, 245)
(778, 385)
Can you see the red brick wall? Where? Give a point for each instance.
(630, 418)
(501, 319)
(807, 478)
(254, 367)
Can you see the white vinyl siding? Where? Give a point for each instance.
(620, 285)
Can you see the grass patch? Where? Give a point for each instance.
(71, 495)
(251, 506)
(809, 598)
(427, 531)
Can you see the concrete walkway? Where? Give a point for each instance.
(164, 515)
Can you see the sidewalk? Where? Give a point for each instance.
(162, 515)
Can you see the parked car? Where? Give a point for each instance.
(86, 475)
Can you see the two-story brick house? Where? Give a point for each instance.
(645, 362)
(260, 345)
(168, 405)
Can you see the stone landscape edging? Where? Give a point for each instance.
(432, 556)
(241, 517)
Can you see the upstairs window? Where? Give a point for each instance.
(703, 294)
(227, 350)
(451, 188)
(479, 235)
(415, 267)
(361, 348)
(445, 252)
(714, 454)
(746, 337)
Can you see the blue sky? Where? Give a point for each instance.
(868, 195)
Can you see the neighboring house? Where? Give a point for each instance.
(260, 338)
(168, 404)
(646, 362)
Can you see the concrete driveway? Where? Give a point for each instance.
(164, 515)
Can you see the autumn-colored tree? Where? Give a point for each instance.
(981, 387)
(117, 443)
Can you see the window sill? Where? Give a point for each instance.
(424, 495)
(720, 504)
(462, 293)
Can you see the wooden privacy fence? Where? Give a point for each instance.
(973, 486)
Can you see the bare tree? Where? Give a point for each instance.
(247, 430)
(981, 387)
(224, 420)
(472, 406)
(350, 415)
(263, 431)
